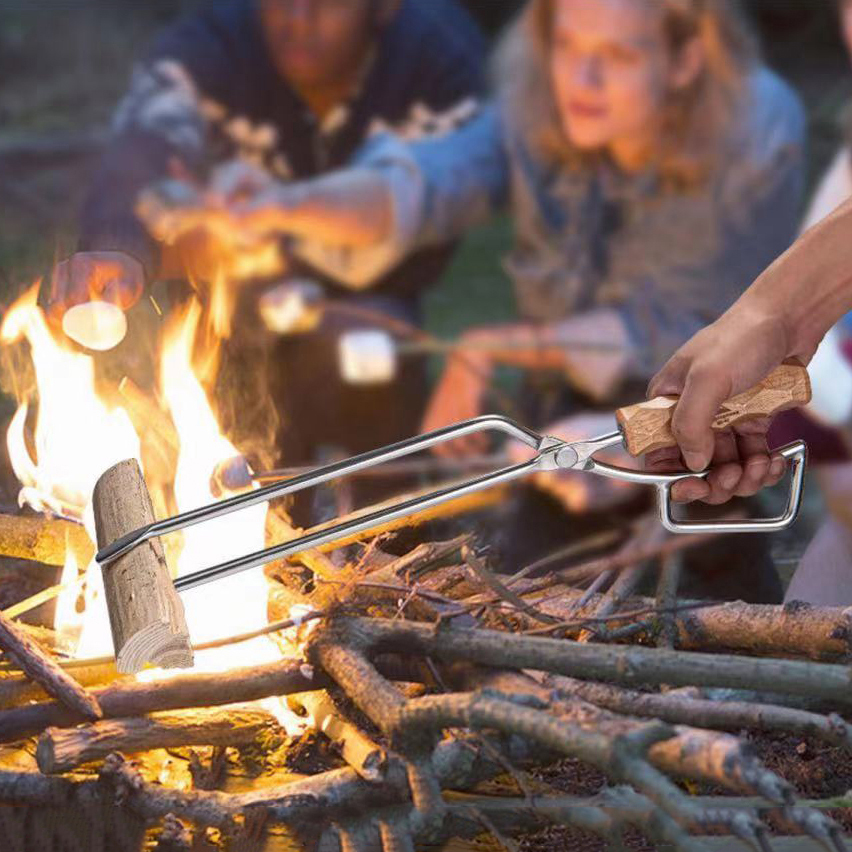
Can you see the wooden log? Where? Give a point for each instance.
(192, 690)
(62, 749)
(44, 540)
(39, 665)
(145, 611)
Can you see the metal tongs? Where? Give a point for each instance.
(551, 454)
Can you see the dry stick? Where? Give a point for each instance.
(621, 756)
(366, 757)
(649, 533)
(821, 633)
(30, 603)
(584, 621)
(381, 702)
(39, 665)
(624, 585)
(101, 670)
(284, 677)
(691, 753)
(62, 749)
(704, 713)
(606, 814)
(667, 599)
(423, 556)
(613, 562)
(594, 662)
(44, 540)
(599, 540)
(481, 571)
(407, 722)
(279, 529)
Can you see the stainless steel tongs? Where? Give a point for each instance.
(642, 427)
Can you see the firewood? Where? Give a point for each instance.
(62, 749)
(366, 757)
(795, 629)
(625, 665)
(145, 611)
(649, 534)
(39, 665)
(726, 715)
(192, 690)
(44, 540)
(101, 670)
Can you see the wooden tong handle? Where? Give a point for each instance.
(646, 426)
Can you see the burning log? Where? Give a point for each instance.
(146, 614)
(39, 665)
(44, 540)
(62, 749)
(199, 690)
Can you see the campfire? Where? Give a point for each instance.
(369, 699)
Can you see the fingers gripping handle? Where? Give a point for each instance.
(647, 425)
(796, 456)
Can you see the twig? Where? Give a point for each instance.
(481, 571)
(667, 598)
(705, 713)
(618, 616)
(39, 665)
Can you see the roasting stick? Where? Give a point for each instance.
(146, 613)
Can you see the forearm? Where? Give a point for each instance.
(350, 208)
(524, 345)
(808, 288)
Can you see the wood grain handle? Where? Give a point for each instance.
(647, 425)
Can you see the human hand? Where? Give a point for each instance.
(724, 359)
(105, 276)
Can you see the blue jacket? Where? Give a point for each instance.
(207, 91)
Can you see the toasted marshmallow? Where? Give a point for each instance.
(96, 325)
(367, 357)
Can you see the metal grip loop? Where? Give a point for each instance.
(796, 453)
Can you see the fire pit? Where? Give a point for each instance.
(369, 700)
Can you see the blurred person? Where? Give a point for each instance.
(653, 166)
(823, 576)
(243, 91)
